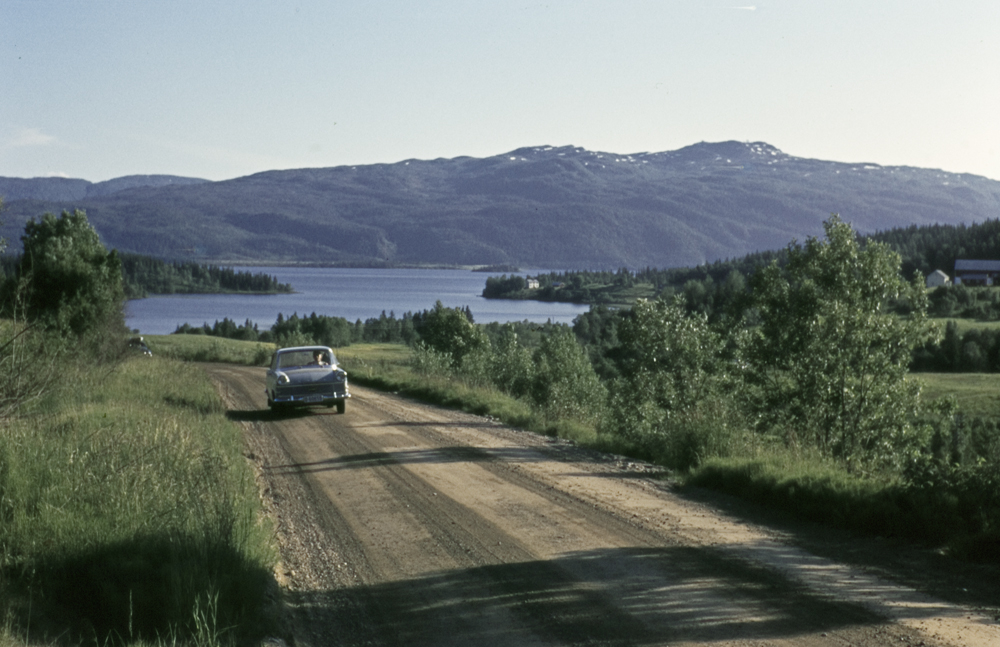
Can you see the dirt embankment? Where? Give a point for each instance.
(404, 524)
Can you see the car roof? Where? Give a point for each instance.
(302, 348)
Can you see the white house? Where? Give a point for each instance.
(937, 278)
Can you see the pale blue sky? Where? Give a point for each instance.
(217, 89)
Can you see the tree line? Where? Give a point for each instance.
(336, 332)
(145, 275)
(922, 249)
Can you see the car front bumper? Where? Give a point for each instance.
(310, 394)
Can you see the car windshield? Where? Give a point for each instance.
(317, 357)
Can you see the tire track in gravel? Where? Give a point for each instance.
(406, 524)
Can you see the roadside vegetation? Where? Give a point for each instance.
(791, 387)
(128, 514)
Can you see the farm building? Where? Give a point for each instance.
(937, 278)
(973, 272)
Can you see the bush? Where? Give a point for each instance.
(671, 401)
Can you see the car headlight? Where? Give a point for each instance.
(282, 378)
(335, 376)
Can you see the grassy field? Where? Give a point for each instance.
(965, 325)
(977, 394)
(203, 348)
(129, 511)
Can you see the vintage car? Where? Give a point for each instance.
(138, 345)
(306, 375)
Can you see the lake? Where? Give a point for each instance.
(351, 293)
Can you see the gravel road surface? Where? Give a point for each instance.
(401, 523)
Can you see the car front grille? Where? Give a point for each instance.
(299, 390)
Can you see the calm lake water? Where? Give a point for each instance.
(341, 292)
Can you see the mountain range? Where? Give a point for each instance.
(543, 206)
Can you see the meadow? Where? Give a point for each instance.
(128, 514)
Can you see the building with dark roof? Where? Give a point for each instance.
(973, 272)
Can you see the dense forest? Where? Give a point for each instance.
(144, 275)
(922, 249)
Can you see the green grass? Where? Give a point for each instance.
(950, 514)
(129, 513)
(204, 348)
(965, 325)
(977, 394)
(812, 488)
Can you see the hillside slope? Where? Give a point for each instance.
(538, 206)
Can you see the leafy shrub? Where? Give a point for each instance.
(671, 400)
(828, 362)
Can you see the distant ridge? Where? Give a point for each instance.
(57, 188)
(540, 206)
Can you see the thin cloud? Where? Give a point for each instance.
(750, 8)
(28, 137)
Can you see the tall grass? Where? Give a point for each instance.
(203, 348)
(127, 512)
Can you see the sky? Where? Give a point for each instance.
(217, 89)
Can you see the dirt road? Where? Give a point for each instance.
(404, 524)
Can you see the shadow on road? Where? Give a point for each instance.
(269, 415)
(439, 455)
(641, 596)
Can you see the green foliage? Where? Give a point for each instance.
(597, 330)
(71, 282)
(511, 367)
(315, 329)
(336, 332)
(670, 400)
(145, 274)
(450, 331)
(974, 350)
(829, 360)
(504, 287)
(564, 384)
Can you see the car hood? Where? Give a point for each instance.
(307, 375)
